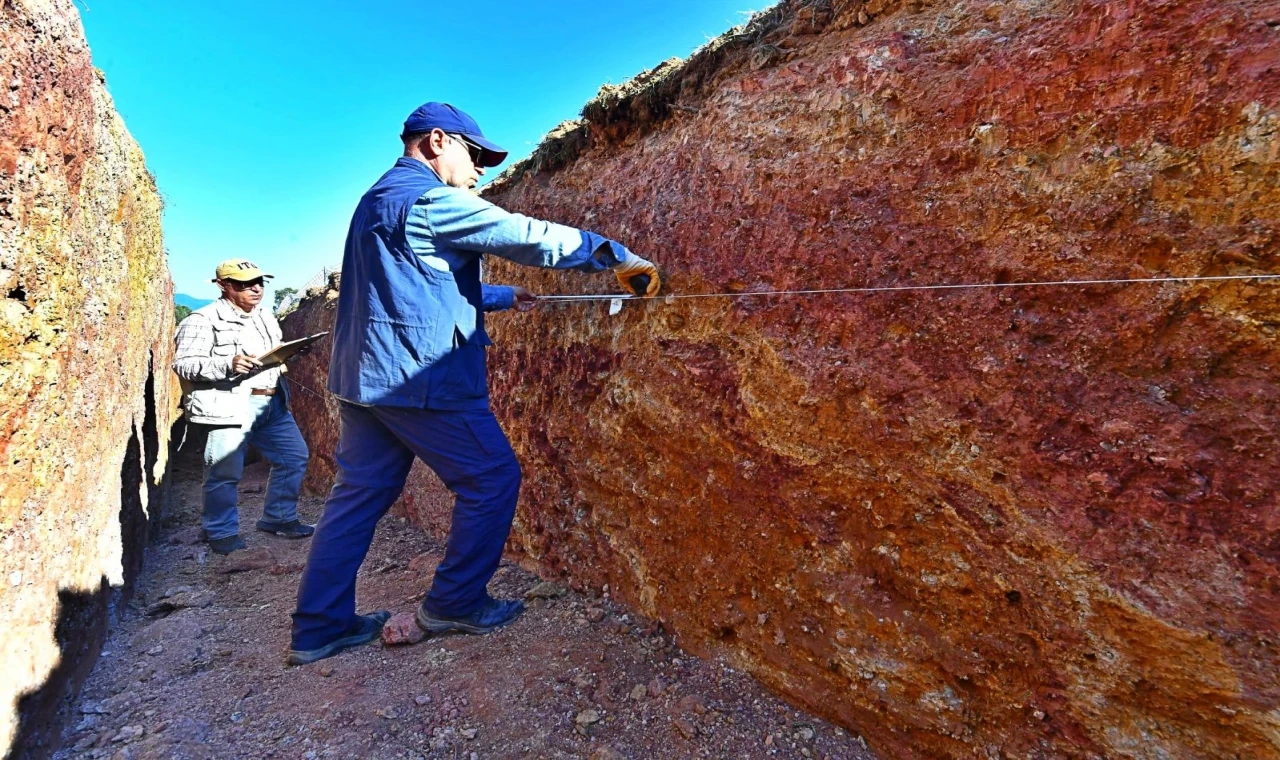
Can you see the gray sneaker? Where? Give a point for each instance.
(493, 614)
(365, 629)
(291, 529)
(227, 544)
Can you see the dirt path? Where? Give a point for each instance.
(576, 677)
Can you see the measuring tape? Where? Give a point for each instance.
(904, 288)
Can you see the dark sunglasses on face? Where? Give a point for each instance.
(246, 285)
(474, 151)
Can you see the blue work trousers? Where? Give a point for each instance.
(376, 448)
(272, 429)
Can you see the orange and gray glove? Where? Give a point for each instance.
(637, 275)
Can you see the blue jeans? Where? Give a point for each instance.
(376, 448)
(273, 431)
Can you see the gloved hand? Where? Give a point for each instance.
(632, 266)
(525, 301)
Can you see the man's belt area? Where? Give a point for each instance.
(263, 391)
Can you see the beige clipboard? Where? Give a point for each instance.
(280, 353)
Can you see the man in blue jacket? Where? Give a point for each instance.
(408, 368)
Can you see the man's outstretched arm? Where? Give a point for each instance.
(447, 218)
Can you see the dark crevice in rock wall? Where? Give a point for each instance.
(133, 515)
(135, 522)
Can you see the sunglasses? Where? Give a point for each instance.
(245, 285)
(475, 151)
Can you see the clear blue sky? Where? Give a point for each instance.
(264, 122)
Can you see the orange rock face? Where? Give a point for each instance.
(1001, 522)
(86, 326)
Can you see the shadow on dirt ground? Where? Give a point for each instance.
(195, 668)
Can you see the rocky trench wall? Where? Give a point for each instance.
(1024, 522)
(86, 340)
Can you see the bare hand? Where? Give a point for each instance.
(243, 364)
(525, 301)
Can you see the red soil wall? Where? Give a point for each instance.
(1020, 522)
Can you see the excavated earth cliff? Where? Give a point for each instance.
(86, 321)
(1022, 522)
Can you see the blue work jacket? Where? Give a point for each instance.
(410, 324)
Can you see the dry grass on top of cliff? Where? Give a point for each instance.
(673, 86)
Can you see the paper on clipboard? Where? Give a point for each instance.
(280, 353)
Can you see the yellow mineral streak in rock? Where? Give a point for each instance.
(85, 320)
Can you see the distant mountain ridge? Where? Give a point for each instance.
(191, 302)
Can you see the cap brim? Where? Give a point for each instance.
(491, 154)
(247, 278)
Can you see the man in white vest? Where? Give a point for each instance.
(225, 388)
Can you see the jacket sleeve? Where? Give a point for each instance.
(460, 219)
(193, 357)
(497, 297)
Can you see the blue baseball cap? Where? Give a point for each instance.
(445, 117)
